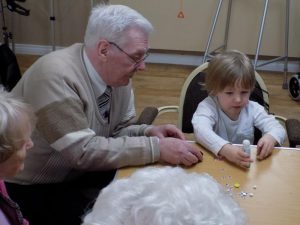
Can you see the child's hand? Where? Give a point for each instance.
(236, 155)
(265, 146)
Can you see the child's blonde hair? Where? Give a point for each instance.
(15, 118)
(229, 68)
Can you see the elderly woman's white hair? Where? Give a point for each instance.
(165, 196)
(15, 116)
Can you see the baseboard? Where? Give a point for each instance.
(192, 60)
(28, 49)
(164, 58)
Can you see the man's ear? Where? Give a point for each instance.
(102, 48)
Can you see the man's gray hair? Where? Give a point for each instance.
(111, 21)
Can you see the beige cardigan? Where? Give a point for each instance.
(71, 133)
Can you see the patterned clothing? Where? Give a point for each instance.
(103, 102)
(10, 209)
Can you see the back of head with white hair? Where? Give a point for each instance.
(165, 196)
(15, 117)
(109, 22)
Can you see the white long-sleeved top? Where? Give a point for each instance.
(213, 128)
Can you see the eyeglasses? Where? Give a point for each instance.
(136, 62)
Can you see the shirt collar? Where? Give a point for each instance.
(98, 84)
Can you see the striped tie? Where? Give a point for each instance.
(104, 104)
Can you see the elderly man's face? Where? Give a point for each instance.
(126, 58)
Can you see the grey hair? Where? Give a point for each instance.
(14, 115)
(165, 196)
(111, 21)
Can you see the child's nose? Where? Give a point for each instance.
(237, 98)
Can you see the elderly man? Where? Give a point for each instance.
(84, 102)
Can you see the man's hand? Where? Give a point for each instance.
(162, 131)
(179, 152)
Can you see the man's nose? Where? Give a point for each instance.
(141, 66)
